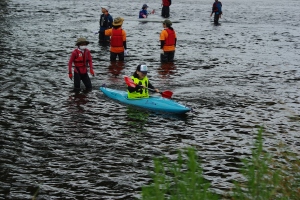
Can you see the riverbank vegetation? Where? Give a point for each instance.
(263, 176)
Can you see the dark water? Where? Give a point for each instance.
(236, 77)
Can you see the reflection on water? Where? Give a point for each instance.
(78, 99)
(116, 67)
(137, 118)
(167, 69)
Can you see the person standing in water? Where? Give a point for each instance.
(143, 12)
(105, 23)
(82, 59)
(118, 47)
(168, 41)
(217, 9)
(165, 11)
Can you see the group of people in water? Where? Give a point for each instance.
(111, 31)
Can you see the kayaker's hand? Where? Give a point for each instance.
(162, 51)
(157, 90)
(71, 75)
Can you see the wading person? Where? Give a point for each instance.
(105, 23)
(82, 59)
(217, 9)
(168, 41)
(165, 11)
(143, 12)
(118, 47)
(142, 83)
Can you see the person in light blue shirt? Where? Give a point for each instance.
(143, 12)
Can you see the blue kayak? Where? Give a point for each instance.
(152, 103)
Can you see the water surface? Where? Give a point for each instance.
(236, 77)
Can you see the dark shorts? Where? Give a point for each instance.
(216, 19)
(168, 56)
(84, 78)
(113, 56)
(165, 11)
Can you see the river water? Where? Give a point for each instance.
(236, 77)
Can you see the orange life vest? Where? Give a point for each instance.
(116, 39)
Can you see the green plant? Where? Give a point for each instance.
(266, 178)
(182, 179)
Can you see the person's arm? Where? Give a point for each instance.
(90, 60)
(108, 32)
(152, 87)
(162, 38)
(100, 20)
(170, 2)
(124, 39)
(110, 21)
(162, 43)
(131, 89)
(212, 10)
(72, 58)
(134, 89)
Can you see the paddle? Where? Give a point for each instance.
(166, 94)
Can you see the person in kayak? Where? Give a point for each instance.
(82, 59)
(105, 23)
(168, 41)
(118, 45)
(142, 83)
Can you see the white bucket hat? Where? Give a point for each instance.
(105, 7)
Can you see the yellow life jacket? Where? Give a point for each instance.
(142, 92)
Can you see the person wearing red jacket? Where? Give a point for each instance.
(82, 59)
(165, 11)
